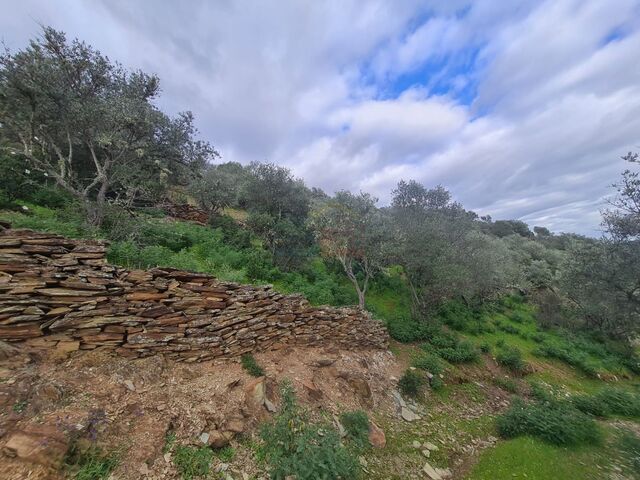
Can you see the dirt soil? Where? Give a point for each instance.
(129, 406)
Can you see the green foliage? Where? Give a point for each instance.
(91, 463)
(192, 462)
(555, 423)
(292, 445)
(428, 362)
(568, 353)
(485, 347)
(250, 364)
(507, 384)
(609, 402)
(629, 444)
(411, 383)
(436, 383)
(225, 454)
(511, 357)
(356, 425)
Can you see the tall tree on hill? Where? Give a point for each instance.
(351, 230)
(90, 124)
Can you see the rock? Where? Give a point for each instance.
(144, 469)
(204, 438)
(431, 446)
(314, 392)
(324, 362)
(431, 472)
(426, 453)
(130, 386)
(408, 415)
(235, 425)
(42, 444)
(377, 438)
(416, 444)
(218, 439)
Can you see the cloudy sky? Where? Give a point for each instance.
(521, 108)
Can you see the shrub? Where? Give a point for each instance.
(567, 354)
(356, 425)
(293, 446)
(507, 384)
(225, 454)
(429, 363)
(436, 383)
(620, 402)
(462, 352)
(192, 462)
(410, 383)
(250, 364)
(405, 329)
(591, 404)
(485, 347)
(90, 464)
(629, 443)
(511, 357)
(519, 317)
(554, 423)
(500, 343)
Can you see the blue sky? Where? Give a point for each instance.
(521, 108)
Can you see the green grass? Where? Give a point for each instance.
(91, 464)
(250, 364)
(531, 459)
(192, 462)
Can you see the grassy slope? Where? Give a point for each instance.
(448, 422)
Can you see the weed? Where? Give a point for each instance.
(428, 362)
(192, 462)
(294, 446)
(250, 364)
(511, 357)
(226, 454)
(507, 384)
(90, 464)
(169, 441)
(555, 423)
(411, 383)
(357, 426)
(485, 347)
(19, 406)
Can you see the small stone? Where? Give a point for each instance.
(431, 446)
(431, 472)
(144, 469)
(204, 438)
(130, 386)
(167, 457)
(416, 444)
(377, 438)
(408, 415)
(426, 453)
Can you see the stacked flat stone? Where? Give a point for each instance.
(56, 292)
(186, 212)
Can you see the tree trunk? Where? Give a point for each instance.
(95, 211)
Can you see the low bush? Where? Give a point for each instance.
(428, 362)
(485, 347)
(356, 425)
(554, 423)
(91, 463)
(192, 462)
(294, 446)
(463, 352)
(608, 402)
(250, 364)
(436, 383)
(629, 444)
(507, 384)
(511, 357)
(411, 383)
(569, 355)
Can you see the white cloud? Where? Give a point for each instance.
(313, 85)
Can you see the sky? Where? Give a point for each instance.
(522, 109)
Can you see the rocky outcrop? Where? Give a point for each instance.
(186, 212)
(60, 293)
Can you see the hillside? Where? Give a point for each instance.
(161, 407)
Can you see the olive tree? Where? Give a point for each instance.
(351, 230)
(90, 124)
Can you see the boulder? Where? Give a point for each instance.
(42, 444)
(377, 438)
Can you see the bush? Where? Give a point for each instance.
(356, 425)
(485, 347)
(566, 353)
(462, 352)
(192, 462)
(293, 446)
(511, 357)
(250, 364)
(436, 383)
(405, 329)
(411, 383)
(429, 363)
(90, 464)
(552, 422)
(591, 404)
(506, 384)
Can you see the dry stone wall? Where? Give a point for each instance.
(61, 293)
